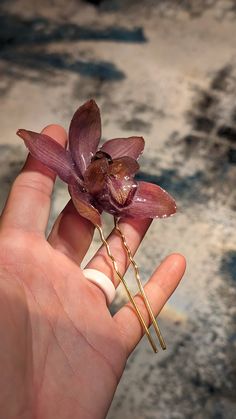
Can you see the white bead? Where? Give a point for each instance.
(102, 281)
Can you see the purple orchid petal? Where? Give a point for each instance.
(50, 153)
(85, 134)
(123, 167)
(150, 201)
(82, 202)
(119, 147)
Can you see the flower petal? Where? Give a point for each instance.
(123, 167)
(50, 153)
(82, 202)
(119, 147)
(150, 201)
(85, 134)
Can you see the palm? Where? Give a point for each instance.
(65, 315)
(62, 352)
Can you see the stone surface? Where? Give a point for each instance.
(165, 70)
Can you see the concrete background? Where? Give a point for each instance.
(165, 70)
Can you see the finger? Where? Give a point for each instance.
(71, 233)
(29, 201)
(134, 231)
(158, 289)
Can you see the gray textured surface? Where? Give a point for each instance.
(165, 70)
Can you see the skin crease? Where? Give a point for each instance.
(62, 353)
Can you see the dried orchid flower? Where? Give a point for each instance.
(103, 180)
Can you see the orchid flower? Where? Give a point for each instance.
(100, 178)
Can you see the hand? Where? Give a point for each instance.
(62, 353)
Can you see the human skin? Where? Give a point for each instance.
(62, 353)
